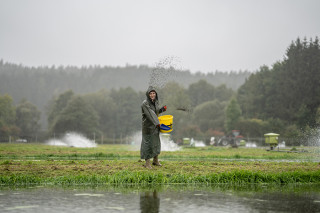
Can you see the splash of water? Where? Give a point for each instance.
(251, 145)
(166, 143)
(281, 145)
(197, 143)
(72, 139)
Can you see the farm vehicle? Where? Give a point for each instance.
(232, 139)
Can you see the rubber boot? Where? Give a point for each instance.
(148, 164)
(156, 161)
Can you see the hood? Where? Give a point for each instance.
(151, 88)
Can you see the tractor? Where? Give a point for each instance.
(231, 139)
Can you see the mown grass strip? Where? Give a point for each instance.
(127, 177)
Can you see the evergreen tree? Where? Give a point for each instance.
(289, 91)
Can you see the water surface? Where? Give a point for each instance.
(169, 198)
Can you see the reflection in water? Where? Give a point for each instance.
(172, 198)
(149, 202)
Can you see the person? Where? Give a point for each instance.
(149, 202)
(150, 144)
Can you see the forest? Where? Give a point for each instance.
(105, 101)
(39, 84)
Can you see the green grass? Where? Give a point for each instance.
(142, 178)
(172, 172)
(44, 152)
(23, 164)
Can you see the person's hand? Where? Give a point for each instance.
(163, 109)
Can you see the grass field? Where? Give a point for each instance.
(22, 164)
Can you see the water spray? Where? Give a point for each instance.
(72, 139)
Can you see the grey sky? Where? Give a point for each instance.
(201, 35)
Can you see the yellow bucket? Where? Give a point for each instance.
(166, 120)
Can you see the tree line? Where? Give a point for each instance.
(116, 113)
(285, 96)
(39, 84)
(282, 99)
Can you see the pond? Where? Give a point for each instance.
(167, 198)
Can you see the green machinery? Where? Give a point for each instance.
(271, 139)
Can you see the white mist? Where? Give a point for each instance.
(72, 139)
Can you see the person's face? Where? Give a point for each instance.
(152, 95)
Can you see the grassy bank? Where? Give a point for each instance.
(118, 165)
(132, 172)
(238, 177)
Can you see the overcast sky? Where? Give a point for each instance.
(200, 35)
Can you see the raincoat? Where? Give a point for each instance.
(150, 144)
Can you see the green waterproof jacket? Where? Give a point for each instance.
(150, 144)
